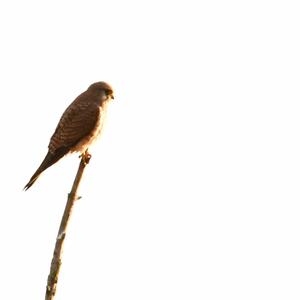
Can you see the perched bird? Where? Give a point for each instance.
(78, 127)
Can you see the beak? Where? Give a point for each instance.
(112, 96)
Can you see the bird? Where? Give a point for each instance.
(78, 127)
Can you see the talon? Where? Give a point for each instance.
(86, 157)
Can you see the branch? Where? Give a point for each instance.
(56, 260)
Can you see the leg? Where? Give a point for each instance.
(86, 156)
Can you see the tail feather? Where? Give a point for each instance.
(49, 160)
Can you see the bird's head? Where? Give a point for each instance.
(102, 88)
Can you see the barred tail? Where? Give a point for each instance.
(48, 161)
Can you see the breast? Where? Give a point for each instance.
(87, 141)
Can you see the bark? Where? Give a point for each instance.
(57, 254)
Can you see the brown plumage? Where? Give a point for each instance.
(78, 127)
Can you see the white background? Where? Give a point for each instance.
(193, 189)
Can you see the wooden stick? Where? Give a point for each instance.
(56, 260)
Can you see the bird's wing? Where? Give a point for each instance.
(79, 120)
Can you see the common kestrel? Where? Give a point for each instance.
(78, 127)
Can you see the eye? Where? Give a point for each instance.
(108, 92)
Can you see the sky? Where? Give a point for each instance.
(192, 191)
